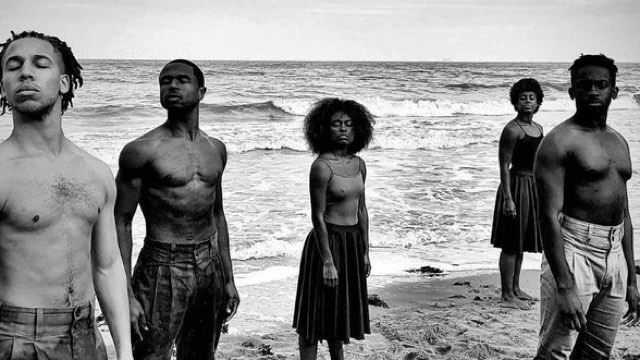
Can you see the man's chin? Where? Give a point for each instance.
(31, 109)
(178, 107)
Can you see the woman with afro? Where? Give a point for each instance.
(331, 300)
(515, 219)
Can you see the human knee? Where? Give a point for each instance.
(304, 342)
(509, 253)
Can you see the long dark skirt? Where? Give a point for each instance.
(333, 313)
(522, 233)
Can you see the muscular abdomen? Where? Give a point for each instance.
(182, 212)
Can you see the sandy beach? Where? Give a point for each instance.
(457, 316)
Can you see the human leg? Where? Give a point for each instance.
(308, 349)
(555, 339)
(335, 349)
(159, 286)
(603, 318)
(606, 310)
(517, 291)
(205, 314)
(507, 265)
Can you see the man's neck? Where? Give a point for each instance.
(38, 135)
(591, 119)
(184, 123)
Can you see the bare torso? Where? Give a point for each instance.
(598, 165)
(344, 190)
(180, 180)
(48, 209)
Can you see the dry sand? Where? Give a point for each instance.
(427, 318)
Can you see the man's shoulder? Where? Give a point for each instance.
(564, 131)
(142, 148)
(90, 162)
(215, 142)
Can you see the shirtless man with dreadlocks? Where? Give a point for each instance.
(57, 230)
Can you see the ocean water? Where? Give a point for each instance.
(432, 167)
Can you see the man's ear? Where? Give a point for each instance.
(614, 92)
(65, 83)
(572, 93)
(201, 92)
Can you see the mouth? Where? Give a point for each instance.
(27, 90)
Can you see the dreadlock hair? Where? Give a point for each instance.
(317, 123)
(597, 60)
(71, 66)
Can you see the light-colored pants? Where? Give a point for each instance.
(595, 259)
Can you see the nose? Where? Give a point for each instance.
(26, 71)
(593, 89)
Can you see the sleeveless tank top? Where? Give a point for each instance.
(524, 152)
(343, 197)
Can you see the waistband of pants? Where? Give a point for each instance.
(189, 247)
(613, 233)
(45, 316)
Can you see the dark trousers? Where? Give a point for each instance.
(51, 334)
(181, 288)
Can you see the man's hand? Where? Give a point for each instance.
(138, 318)
(233, 300)
(367, 265)
(571, 310)
(329, 274)
(632, 317)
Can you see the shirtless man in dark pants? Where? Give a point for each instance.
(588, 271)
(182, 289)
(58, 246)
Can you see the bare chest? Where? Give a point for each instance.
(182, 166)
(37, 200)
(601, 158)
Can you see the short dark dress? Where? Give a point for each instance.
(342, 312)
(521, 234)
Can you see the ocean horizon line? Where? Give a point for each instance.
(354, 61)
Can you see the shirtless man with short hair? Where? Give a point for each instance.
(57, 231)
(182, 289)
(588, 271)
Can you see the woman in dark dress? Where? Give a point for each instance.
(331, 301)
(515, 219)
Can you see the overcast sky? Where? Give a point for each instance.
(411, 30)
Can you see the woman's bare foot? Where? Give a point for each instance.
(523, 295)
(514, 303)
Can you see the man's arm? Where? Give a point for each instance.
(632, 317)
(549, 171)
(233, 298)
(363, 219)
(129, 185)
(108, 274)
